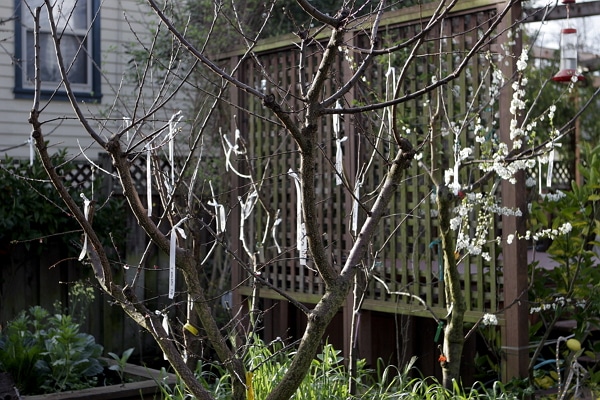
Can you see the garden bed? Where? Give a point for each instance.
(144, 384)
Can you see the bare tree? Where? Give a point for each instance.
(299, 112)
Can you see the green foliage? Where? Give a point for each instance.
(119, 367)
(571, 288)
(328, 379)
(46, 353)
(575, 280)
(21, 345)
(31, 209)
(81, 295)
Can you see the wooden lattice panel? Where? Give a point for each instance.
(404, 252)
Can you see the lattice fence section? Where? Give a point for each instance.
(409, 258)
(273, 156)
(562, 175)
(405, 251)
(137, 167)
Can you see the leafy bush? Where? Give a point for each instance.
(46, 353)
(570, 290)
(30, 208)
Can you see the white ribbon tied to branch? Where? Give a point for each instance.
(354, 226)
(86, 214)
(339, 154)
(149, 179)
(220, 219)
(339, 160)
(228, 149)
(165, 325)
(31, 152)
(219, 211)
(172, 253)
(551, 157)
(301, 242)
(175, 118)
(274, 231)
(246, 210)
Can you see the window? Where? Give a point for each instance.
(78, 23)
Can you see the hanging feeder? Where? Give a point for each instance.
(568, 52)
(568, 57)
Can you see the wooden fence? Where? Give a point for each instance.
(404, 252)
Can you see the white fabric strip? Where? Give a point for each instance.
(540, 175)
(550, 169)
(31, 153)
(355, 207)
(228, 149)
(86, 213)
(219, 211)
(172, 252)
(274, 233)
(301, 242)
(172, 133)
(339, 160)
(149, 179)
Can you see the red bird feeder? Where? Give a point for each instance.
(568, 57)
(568, 52)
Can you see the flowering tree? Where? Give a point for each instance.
(299, 112)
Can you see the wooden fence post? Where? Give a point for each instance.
(515, 332)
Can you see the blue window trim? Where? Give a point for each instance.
(95, 95)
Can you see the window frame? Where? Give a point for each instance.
(92, 93)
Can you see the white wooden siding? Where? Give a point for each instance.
(61, 133)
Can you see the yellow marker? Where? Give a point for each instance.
(191, 328)
(249, 388)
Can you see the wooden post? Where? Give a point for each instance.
(515, 332)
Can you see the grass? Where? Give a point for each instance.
(328, 378)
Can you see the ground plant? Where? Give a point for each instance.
(46, 353)
(328, 376)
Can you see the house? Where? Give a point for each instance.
(97, 36)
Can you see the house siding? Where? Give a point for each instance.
(118, 18)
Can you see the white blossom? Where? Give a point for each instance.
(553, 196)
(522, 61)
(489, 319)
(530, 182)
(551, 111)
(565, 228)
(465, 153)
(455, 223)
(454, 187)
(448, 174)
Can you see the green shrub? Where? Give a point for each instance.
(31, 210)
(46, 353)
